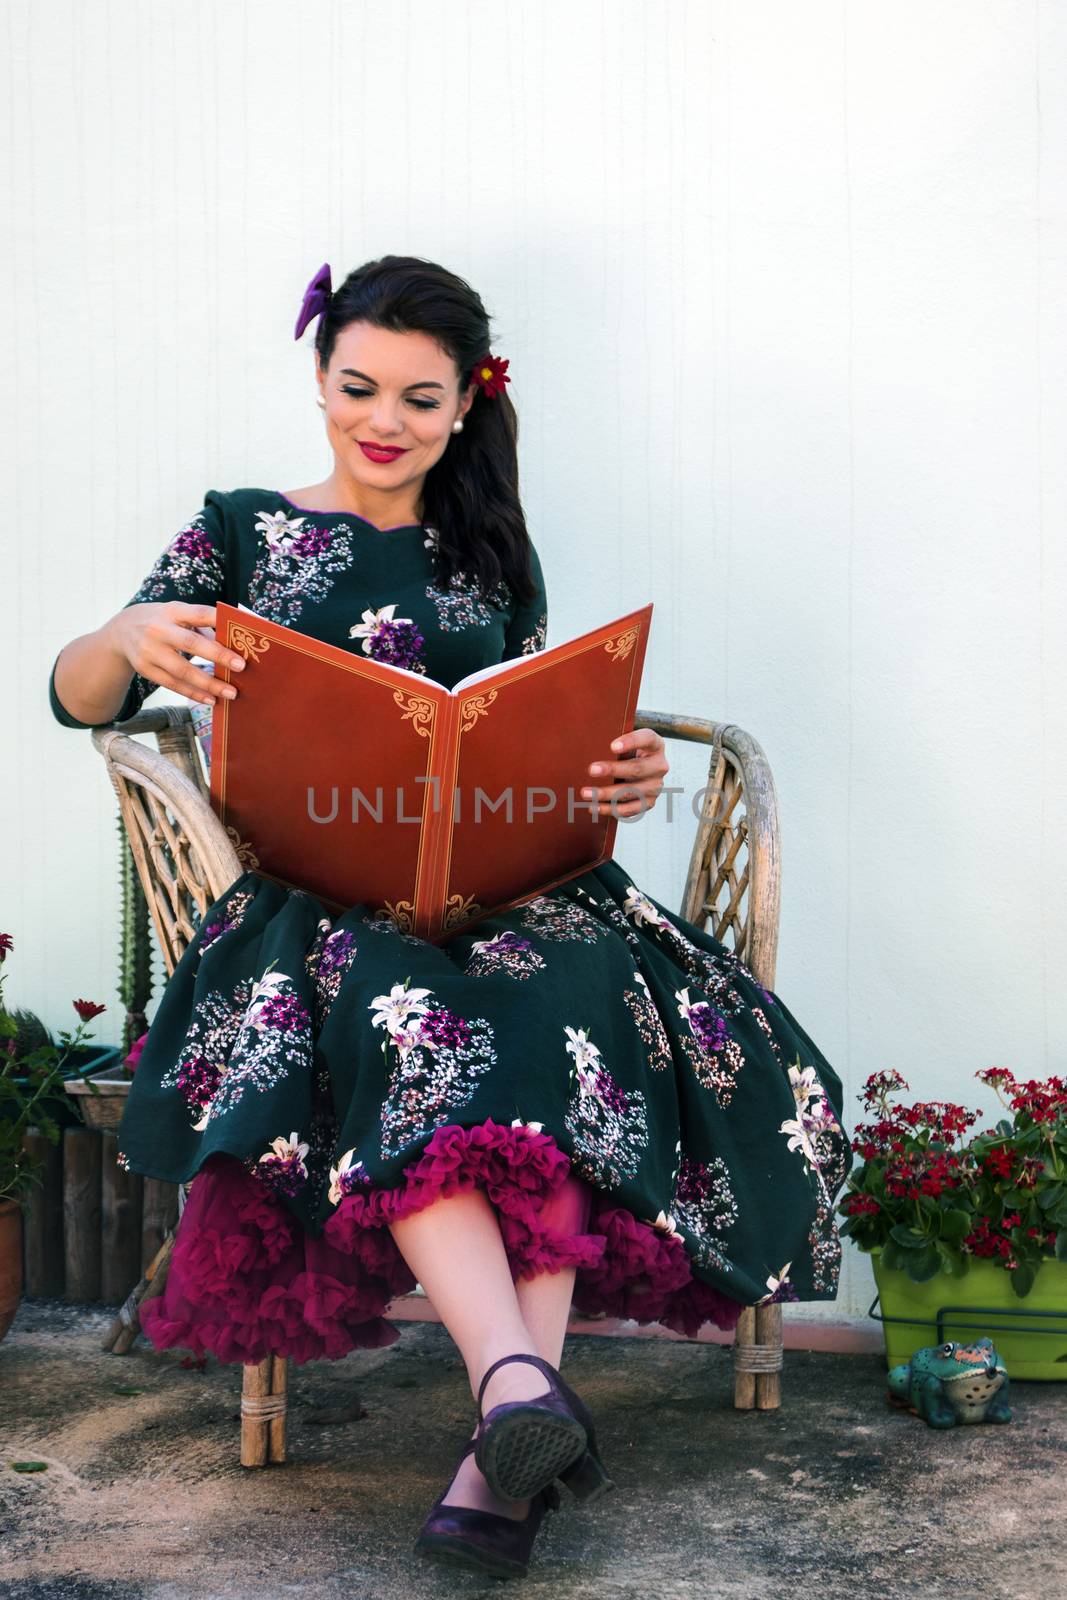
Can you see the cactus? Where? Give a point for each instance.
(30, 1033)
(135, 950)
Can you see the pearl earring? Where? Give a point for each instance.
(321, 402)
(457, 426)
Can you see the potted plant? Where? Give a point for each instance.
(30, 1080)
(81, 1060)
(103, 1106)
(969, 1225)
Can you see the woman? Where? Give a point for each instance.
(586, 1096)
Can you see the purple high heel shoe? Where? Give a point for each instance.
(483, 1541)
(522, 1445)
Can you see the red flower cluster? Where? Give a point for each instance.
(942, 1119)
(989, 1239)
(919, 1172)
(939, 1120)
(999, 1162)
(1041, 1102)
(916, 1179)
(882, 1084)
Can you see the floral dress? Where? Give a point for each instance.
(322, 1075)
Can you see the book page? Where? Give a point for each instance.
(501, 666)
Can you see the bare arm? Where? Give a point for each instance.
(94, 671)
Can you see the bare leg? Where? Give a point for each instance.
(455, 1250)
(458, 1257)
(545, 1301)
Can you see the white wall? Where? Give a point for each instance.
(782, 290)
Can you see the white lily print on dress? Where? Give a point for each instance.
(439, 1058)
(295, 563)
(346, 1177)
(779, 1288)
(283, 1167)
(507, 952)
(640, 907)
(663, 1222)
(607, 1123)
(274, 1039)
(264, 990)
(815, 1130)
(390, 638)
(393, 1009)
(715, 1058)
(281, 530)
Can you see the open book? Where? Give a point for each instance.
(364, 782)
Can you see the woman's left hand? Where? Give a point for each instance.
(641, 769)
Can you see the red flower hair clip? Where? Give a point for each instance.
(492, 373)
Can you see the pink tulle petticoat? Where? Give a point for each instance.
(246, 1279)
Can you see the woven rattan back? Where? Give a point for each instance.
(184, 856)
(733, 887)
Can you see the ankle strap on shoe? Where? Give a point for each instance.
(538, 1361)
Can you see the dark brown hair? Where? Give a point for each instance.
(471, 495)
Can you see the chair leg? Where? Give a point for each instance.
(263, 1404)
(127, 1325)
(758, 1358)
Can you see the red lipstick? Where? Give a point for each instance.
(380, 453)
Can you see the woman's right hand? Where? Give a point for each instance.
(157, 636)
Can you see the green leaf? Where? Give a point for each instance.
(922, 1265)
(1058, 1215)
(1022, 1279)
(955, 1224)
(908, 1237)
(29, 1466)
(892, 1256)
(1061, 1245)
(1051, 1196)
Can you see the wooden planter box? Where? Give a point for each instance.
(1030, 1334)
(103, 1109)
(91, 1227)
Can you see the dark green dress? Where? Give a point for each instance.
(324, 1074)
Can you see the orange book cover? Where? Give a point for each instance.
(360, 781)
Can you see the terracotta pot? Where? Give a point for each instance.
(10, 1262)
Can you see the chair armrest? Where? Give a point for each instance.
(184, 856)
(733, 886)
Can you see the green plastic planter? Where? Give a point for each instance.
(1030, 1334)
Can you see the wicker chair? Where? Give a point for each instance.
(186, 859)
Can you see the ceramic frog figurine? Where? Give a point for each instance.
(950, 1383)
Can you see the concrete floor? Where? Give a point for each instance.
(835, 1494)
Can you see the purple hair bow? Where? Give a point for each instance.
(316, 298)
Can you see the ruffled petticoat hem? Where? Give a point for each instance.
(246, 1279)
